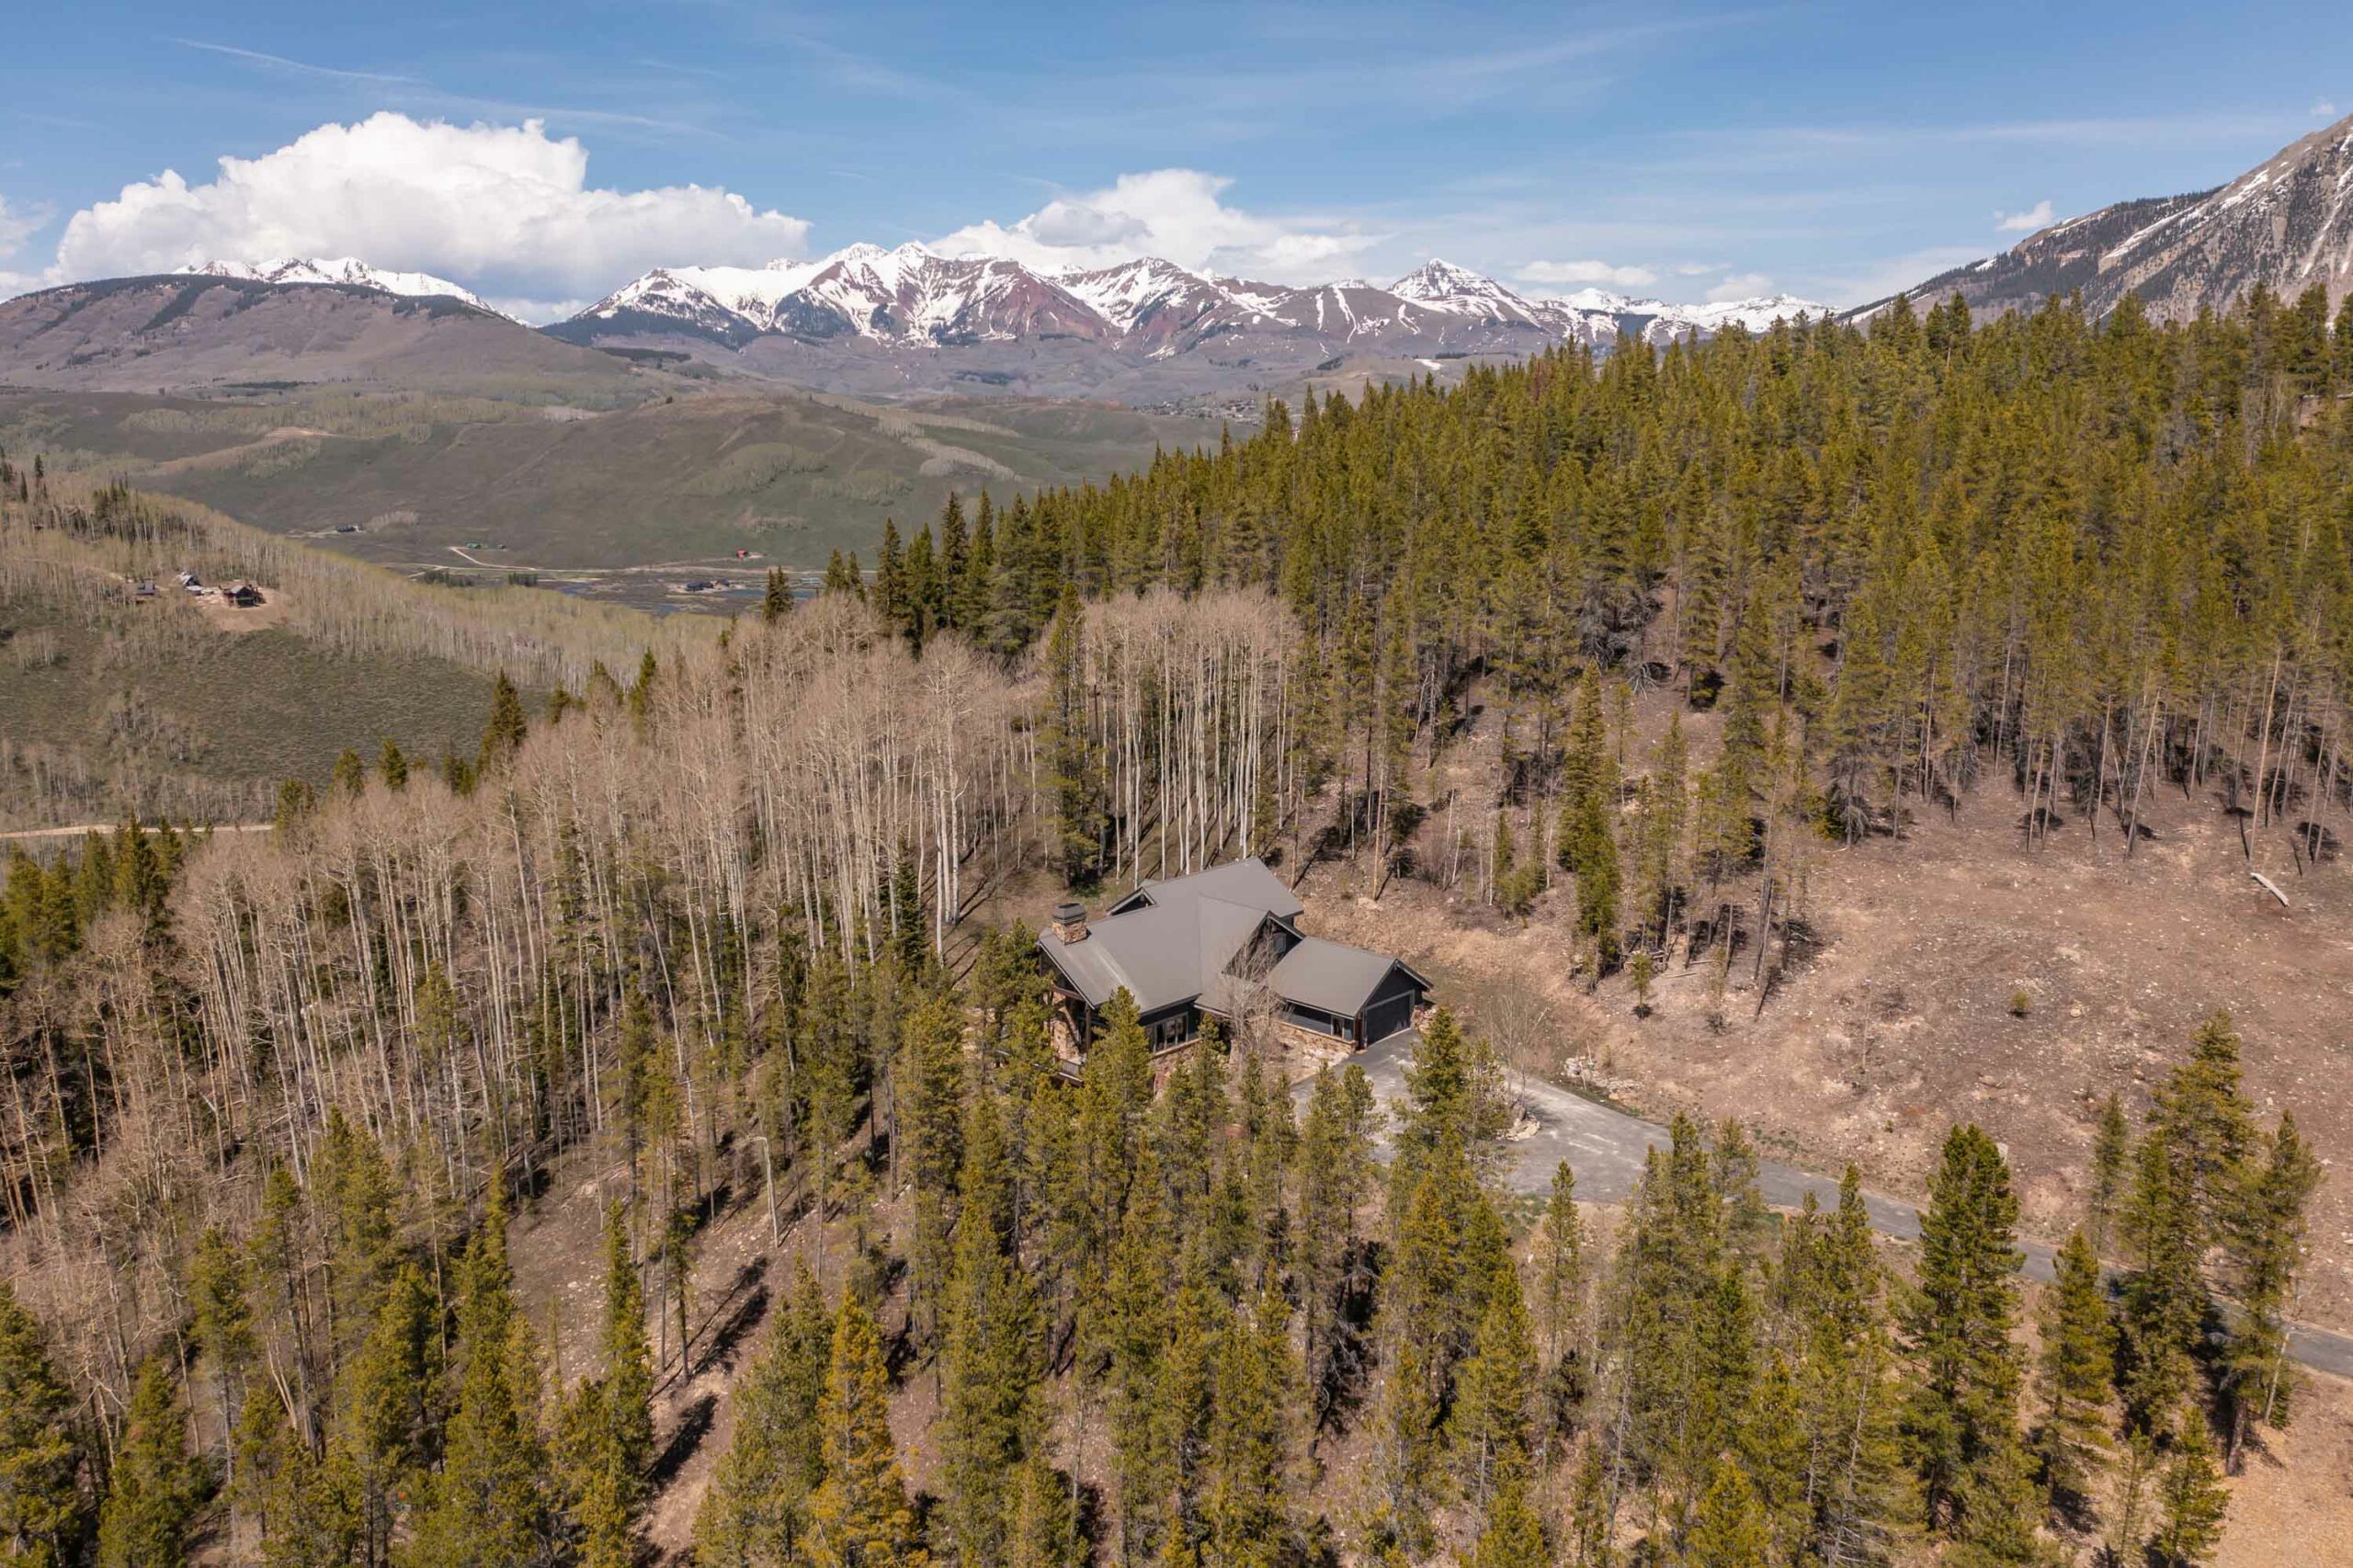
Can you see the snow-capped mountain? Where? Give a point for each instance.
(1441, 285)
(1137, 313)
(344, 270)
(2286, 225)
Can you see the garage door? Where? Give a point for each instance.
(1385, 1018)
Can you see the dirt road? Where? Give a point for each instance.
(1606, 1148)
(80, 828)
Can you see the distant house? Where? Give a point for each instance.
(1224, 943)
(241, 595)
(186, 580)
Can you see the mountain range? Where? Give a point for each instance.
(1146, 331)
(914, 296)
(912, 322)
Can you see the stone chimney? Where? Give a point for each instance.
(1070, 922)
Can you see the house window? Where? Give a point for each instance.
(1170, 1031)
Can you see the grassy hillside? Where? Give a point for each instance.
(111, 700)
(530, 481)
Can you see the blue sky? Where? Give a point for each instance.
(545, 154)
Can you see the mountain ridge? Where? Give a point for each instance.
(2285, 224)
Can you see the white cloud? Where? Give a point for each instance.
(504, 208)
(1176, 214)
(18, 224)
(2035, 217)
(1740, 286)
(1587, 272)
(2324, 109)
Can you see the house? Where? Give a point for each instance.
(241, 595)
(1224, 943)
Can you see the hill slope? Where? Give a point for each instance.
(788, 476)
(192, 331)
(2286, 225)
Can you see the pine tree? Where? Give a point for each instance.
(1070, 766)
(1965, 1411)
(2164, 1296)
(2193, 1499)
(390, 1408)
(222, 1314)
(2077, 1362)
(1248, 1505)
(2264, 1249)
(609, 1425)
(776, 596)
(1510, 1534)
(989, 1417)
(756, 1514)
(40, 1501)
(2112, 1156)
(488, 1505)
(1489, 1423)
(1588, 803)
(858, 1515)
(1729, 1530)
(152, 1491)
(502, 736)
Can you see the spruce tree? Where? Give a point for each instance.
(152, 1491)
(503, 735)
(1729, 1528)
(488, 1505)
(756, 1514)
(1489, 1423)
(1963, 1415)
(858, 1515)
(2077, 1363)
(2192, 1498)
(2265, 1250)
(40, 1501)
(1511, 1535)
(607, 1437)
(2111, 1157)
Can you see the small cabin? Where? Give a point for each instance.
(239, 595)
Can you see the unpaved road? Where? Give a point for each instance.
(1607, 1147)
(80, 828)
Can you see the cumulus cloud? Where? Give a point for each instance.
(1588, 272)
(507, 210)
(1177, 215)
(2035, 217)
(2324, 109)
(1740, 286)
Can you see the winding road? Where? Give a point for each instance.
(1606, 1148)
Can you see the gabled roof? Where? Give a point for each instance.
(1175, 941)
(1163, 953)
(1245, 882)
(1334, 978)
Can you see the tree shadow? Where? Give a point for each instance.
(686, 1441)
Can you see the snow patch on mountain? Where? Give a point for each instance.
(348, 270)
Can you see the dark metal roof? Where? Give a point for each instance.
(1247, 882)
(1329, 976)
(1176, 941)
